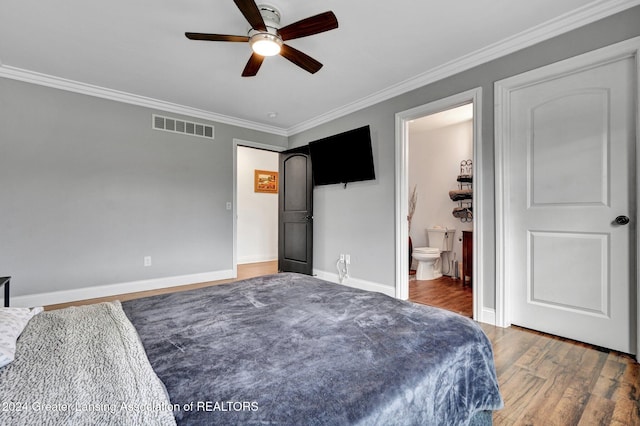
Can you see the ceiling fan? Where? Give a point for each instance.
(267, 38)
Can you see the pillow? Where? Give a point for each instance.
(12, 322)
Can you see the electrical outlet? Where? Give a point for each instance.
(341, 257)
(347, 259)
(228, 205)
(147, 261)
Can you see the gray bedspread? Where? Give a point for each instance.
(82, 366)
(290, 349)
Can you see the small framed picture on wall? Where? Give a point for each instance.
(266, 181)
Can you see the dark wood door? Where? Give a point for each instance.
(295, 216)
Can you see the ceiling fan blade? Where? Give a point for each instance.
(313, 25)
(215, 37)
(252, 67)
(251, 13)
(302, 60)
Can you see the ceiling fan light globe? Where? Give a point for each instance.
(265, 44)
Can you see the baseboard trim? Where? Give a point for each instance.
(487, 316)
(66, 296)
(356, 283)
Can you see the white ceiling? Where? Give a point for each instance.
(119, 48)
(441, 119)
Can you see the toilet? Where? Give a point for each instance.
(428, 258)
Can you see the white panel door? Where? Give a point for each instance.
(571, 172)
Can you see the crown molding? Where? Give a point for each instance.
(33, 77)
(584, 15)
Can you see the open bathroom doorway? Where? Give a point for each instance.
(437, 150)
(441, 184)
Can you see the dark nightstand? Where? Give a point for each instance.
(4, 281)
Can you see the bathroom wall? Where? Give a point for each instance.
(257, 236)
(434, 164)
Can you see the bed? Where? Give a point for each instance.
(284, 349)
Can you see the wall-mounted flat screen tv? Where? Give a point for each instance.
(342, 158)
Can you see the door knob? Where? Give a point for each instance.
(622, 220)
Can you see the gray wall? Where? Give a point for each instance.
(88, 189)
(360, 219)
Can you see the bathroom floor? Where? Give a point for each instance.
(445, 292)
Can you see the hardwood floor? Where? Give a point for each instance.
(444, 292)
(544, 380)
(548, 380)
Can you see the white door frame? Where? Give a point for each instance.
(503, 88)
(234, 204)
(402, 193)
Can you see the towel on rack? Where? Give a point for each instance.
(462, 213)
(465, 178)
(461, 194)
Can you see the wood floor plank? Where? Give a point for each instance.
(570, 406)
(626, 413)
(543, 356)
(608, 384)
(520, 385)
(445, 292)
(547, 365)
(508, 351)
(578, 384)
(543, 404)
(598, 411)
(630, 382)
(567, 390)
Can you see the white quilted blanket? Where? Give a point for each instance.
(82, 366)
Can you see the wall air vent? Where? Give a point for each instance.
(175, 125)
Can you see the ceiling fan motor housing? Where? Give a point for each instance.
(267, 43)
(271, 16)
